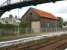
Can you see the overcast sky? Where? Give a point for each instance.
(58, 9)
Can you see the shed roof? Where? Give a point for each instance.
(44, 14)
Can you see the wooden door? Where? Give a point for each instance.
(35, 25)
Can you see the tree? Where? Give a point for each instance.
(10, 16)
(23, 25)
(60, 22)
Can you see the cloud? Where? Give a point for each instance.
(58, 8)
(1, 2)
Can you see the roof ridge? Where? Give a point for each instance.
(44, 13)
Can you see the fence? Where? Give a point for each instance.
(29, 30)
(46, 30)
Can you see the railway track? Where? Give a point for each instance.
(55, 44)
(51, 43)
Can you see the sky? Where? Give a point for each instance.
(58, 9)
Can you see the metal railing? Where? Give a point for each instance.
(8, 2)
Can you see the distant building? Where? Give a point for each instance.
(2, 21)
(10, 20)
(39, 21)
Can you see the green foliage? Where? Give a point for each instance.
(1, 25)
(60, 22)
(65, 23)
(7, 26)
(23, 26)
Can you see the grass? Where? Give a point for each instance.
(23, 35)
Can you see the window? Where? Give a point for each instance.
(50, 25)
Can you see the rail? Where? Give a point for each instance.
(25, 40)
(57, 42)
